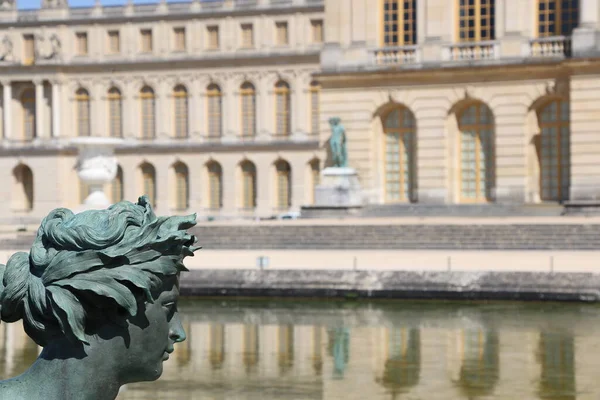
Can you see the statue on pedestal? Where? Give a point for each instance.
(98, 291)
(337, 143)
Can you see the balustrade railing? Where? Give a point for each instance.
(472, 51)
(553, 46)
(396, 55)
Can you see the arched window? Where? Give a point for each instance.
(477, 172)
(557, 17)
(282, 109)
(82, 100)
(476, 20)
(116, 189)
(181, 186)
(315, 176)
(23, 188)
(402, 366)
(554, 151)
(180, 98)
(557, 360)
(148, 113)
(400, 162)
(215, 191)
(149, 182)
(399, 22)
(315, 90)
(248, 95)
(284, 187)
(479, 370)
(215, 116)
(28, 104)
(115, 112)
(248, 185)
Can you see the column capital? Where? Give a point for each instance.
(5, 82)
(37, 81)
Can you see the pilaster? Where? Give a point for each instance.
(7, 108)
(40, 127)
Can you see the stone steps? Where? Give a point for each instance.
(387, 237)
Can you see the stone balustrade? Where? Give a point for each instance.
(401, 55)
(554, 46)
(472, 51)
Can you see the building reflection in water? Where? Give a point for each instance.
(408, 356)
(556, 355)
(403, 360)
(479, 371)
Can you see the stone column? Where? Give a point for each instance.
(56, 108)
(586, 37)
(299, 99)
(39, 112)
(7, 107)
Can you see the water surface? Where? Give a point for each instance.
(293, 349)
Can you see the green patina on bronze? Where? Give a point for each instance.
(337, 143)
(87, 290)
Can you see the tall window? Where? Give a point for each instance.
(216, 340)
(282, 36)
(399, 22)
(314, 108)
(28, 104)
(247, 36)
(114, 42)
(215, 174)
(148, 112)
(554, 151)
(180, 99)
(179, 36)
(146, 38)
(115, 112)
(317, 30)
(476, 20)
(557, 17)
(82, 43)
(181, 186)
(213, 92)
(248, 95)
(116, 190)
(212, 37)
(82, 99)
(286, 347)
(477, 175)
(28, 49)
(251, 346)
(149, 182)
(248, 185)
(282, 109)
(23, 188)
(284, 187)
(315, 176)
(400, 177)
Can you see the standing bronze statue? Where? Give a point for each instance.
(337, 143)
(98, 291)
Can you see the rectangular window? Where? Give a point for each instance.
(28, 49)
(400, 22)
(557, 17)
(247, 36)
(146, 40)
(213, 37)
(476, 20)
(281, 29)
(179, 34)
(82, 43)
(114, 42)
(317, 30)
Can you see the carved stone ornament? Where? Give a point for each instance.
(8, 5)
(6, 54)
(50, 4)
(98, 291)
(47, 48)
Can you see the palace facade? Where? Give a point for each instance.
(224, 104)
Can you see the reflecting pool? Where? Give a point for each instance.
(294, 349)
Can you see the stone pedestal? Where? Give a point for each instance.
(339, 194)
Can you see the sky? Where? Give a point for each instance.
(29, 4)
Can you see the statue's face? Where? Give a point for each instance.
(153, 334)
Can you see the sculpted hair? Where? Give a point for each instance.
(92, 263)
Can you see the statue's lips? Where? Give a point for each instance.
(167, 352)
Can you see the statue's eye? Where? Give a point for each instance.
(170, 307)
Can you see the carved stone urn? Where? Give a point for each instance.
(96, 166)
